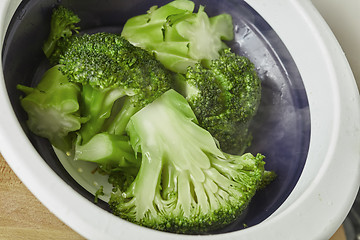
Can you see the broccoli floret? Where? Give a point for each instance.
(98, 193)
(62, 26)
(268, 177)
(53, 108)
(224, 97)
(109, 68)
(185, 183)
(121, 180)
(109, 60)
(178, 36)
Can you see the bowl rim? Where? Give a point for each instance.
(325, 191)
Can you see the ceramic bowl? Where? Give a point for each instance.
(307, 125)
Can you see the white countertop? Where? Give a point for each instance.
(344, 20)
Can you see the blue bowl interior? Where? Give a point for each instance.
(281, 129)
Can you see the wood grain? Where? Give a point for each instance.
(23, 217)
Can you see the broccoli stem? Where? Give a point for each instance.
(121, 120)
(25, 89)
(49, 46)
(111, 152)
(178, 36)
(97, 106)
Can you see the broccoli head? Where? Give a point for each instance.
(224, 96)
(185, 183)
(62, 26)
(110, 68)
(53, 108)
(108, 60)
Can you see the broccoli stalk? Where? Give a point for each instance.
(97, 105)
(185, 182)
(110, 152)
(205, 35)
(62, 26)
(144, 29)
(178, 36)
(224, 96)
(53, 108)
(118, 124)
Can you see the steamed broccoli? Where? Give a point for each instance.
(111, 103)
(110, 152)
(53, 108)
(110, 68)
(177, 35)
(62, 26)
(97, 104)
(224, 97)
(185, 183)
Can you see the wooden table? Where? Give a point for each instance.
(23, 217)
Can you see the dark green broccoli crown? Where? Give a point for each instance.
(108, 60)
(206, 97)
(121, 180)
(226, 97)
(61, 45)
(62, 26)
(172, 220)
(232, 134)
(63, 20)
(240, 83)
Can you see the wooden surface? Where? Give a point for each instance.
(23, 217)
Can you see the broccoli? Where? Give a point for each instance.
(110, 68)
(98, 193)
(53, 108)
(178, 36)
(224, 97)
(110, 152)
(62, 27)
(96, 105)
(165, 139)
(185, 183)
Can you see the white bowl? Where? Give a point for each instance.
(328, 183)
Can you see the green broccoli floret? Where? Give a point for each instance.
(109, 68)
(62, 26)
(185, 183)
(178, 36)
(224, 97)
(53, 108)
(98, 193)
